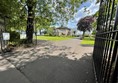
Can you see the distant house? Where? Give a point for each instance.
(75, 32)
(41, 32)
(62, 31)
(79, 33)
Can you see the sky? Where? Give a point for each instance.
(90, 5)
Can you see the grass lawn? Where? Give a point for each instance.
(53, 38)
(87, 41)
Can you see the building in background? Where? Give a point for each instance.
(62, 31)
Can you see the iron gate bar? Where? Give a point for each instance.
(105, 53)
(107, 64)
(115, 77)
(113, 31)
(107, 14)
(107, 47)
(106, 39)
(115, 48)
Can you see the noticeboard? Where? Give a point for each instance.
(6, 36)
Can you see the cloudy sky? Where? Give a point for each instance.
(90, 5)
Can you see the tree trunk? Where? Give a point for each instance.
(30, 25)
(40, 32)
(83, 34)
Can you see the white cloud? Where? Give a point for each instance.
(93, 8)
(80, 14)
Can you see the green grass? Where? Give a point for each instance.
(53, 38)
(87, 41)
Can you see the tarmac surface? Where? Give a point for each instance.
(49, 62)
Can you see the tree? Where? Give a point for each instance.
(84, 24)
(65, 10)
(10, 10)
(7, 7)
(50, 31)
(31, 4)
(52, 10)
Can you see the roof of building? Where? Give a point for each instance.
(63, 28)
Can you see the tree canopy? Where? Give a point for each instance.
(84, 24)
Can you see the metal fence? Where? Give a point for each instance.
(1, 31)
(3, 43)
(105, 53)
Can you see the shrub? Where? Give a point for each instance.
(94, 32)
(14, 36)
(23, 41)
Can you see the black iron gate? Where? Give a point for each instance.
(105, 53)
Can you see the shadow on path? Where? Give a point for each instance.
(60, 69)
(87, 45)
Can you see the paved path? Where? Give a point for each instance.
(53, 62)
(75, 47)
(9, 74)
